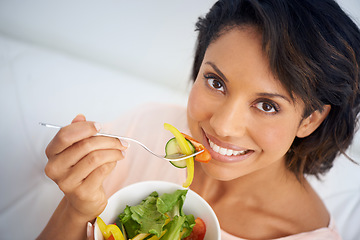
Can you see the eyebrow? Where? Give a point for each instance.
(217, 70)
(269, 95)
(274, 95)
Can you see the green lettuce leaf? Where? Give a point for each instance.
(149, 216)
(174, 228)
(130, 225)
(172, 203)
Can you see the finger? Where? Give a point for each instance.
(84, 147)
(88, 164)
(91, 190)
(96, 178)
(79, 118)
(61, 163)
(69, 135)
(89, 196)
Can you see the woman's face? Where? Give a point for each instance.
(238, 110)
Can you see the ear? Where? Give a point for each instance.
(312, 122)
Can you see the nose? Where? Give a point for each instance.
(230, 119)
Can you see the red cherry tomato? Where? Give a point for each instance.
(199, 230)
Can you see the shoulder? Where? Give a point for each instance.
(157, 107)
(326, 233)
(148, 117)
(314, 216)
(156, 112)
(152, 116)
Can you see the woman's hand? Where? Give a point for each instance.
(78, 163)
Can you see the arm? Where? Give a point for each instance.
(78, 163)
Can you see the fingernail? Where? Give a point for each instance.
(124, 143)
(97, 126)
(123, 153)
(89, 230)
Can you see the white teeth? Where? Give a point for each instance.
(230, 152)
(236, 152)
(216, 148)
(225, 151)
(239, 152)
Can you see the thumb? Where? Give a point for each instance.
(79, 118)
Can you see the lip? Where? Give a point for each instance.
(221, 158)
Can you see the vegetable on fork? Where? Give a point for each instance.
(185, 149)
(186, 145)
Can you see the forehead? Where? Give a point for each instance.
(236, 48)
(239, 54)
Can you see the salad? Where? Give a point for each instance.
(156, 217)
(161, 217)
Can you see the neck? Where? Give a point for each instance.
(273, 180)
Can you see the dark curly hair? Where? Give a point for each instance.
(313, 48)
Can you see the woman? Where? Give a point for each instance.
(275, 97)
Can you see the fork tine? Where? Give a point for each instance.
(184, 157)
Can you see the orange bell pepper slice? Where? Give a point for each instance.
(202, 157)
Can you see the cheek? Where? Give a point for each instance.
(275, 137)
(198, 104)
(199, 110)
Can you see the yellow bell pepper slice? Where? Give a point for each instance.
(141, 236)
(157, 238)
(108, 230)
(185, 149)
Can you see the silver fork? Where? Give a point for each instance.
(171, 157)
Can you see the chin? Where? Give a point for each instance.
(219, 173)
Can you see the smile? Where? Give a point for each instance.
(226, 151)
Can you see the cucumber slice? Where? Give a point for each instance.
(172, 147)
(121, 226)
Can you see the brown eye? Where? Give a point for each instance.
(266, 107)
(215, 84)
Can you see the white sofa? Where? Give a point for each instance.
(102, 58)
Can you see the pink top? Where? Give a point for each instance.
(329, 233)
(146, 125)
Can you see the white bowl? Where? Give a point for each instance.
(135, 193)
